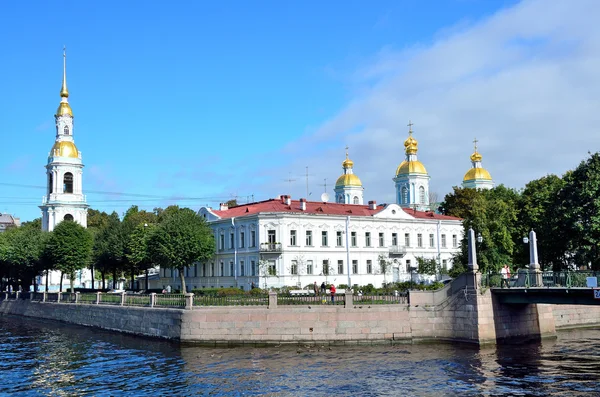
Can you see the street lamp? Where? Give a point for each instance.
(479, 238)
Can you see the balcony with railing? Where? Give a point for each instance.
(270, 247)
(397, 250)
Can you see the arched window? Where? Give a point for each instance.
(340, 199)
(68, 183)
(404, 195)
(68, 217)
(50, 183)
(66, 130)
(356, 200)
(422, 195)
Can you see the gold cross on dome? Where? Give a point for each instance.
(475, 143)
(347, 151)
(410, 124)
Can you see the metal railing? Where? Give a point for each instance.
(170, 300)
(549, 279)
(381, 299)
(270, 247)
(306, 299)
(235, 300)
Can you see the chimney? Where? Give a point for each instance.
(283, 197)
(288, 200)
(303, 204)
(223, 207)
(372, 205)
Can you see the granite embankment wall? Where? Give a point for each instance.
(164, 323)
(459, 312)
(575, 316)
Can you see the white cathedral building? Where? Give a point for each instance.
(64, 198)
(285, 242)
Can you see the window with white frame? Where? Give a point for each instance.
(231, 270)
(292, 237)
(252, 238)
(354, 266)
(324, 238)
(325, 267)
(443, 241)
(431, 241)
(339, 240)
(309, 267)
(394, 239)
(253, 267)
(221, 241)
(242, 239)
(309, 242)
(367, 239)
(407, 239)
(231, 240)
(369, 266)
(242, 270)
(419, 240)
(340, 266)
(445, 264)
(353, 239)
(381, 240)
(294, 267)
(222, 269)
(454, 240)
(356, 200)
(422, 195)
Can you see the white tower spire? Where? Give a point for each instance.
(64, 199)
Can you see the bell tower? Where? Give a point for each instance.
(64, 198)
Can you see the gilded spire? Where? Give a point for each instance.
(63, 108)
(64, 93)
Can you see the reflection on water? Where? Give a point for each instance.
(54, 359)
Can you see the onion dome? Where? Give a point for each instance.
(411, 165)
(477, 172)
(348, 178)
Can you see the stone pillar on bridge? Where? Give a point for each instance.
(473, 273)
(535, 275)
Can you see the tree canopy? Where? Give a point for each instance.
(182, 238)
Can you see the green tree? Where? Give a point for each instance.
(181, 239)
(385, 265)
(580, 201)
(541, 210)
(109, 249)
(21, 253)
(491, 213)
(137, 249)
(427, 266)
(69, 248)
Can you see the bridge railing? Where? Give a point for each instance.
(526, 279)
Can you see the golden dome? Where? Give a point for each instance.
(64, 149)
(411, 167)
(477, 173)
(411, 145)
(476, 157)
(64, 109)
(348, 180)
(347, 163)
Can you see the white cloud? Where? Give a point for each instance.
(523, 81)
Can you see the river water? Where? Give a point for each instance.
(43, 358)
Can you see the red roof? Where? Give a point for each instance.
(317, 208)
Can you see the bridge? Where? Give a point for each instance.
(559, 288)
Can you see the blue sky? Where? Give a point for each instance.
(197, 102)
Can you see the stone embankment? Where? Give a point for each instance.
(459, 312)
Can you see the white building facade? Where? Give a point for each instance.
(284, 242)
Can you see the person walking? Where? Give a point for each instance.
(323, 288)
(505, 272)
(332, 291)
(316, 289)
